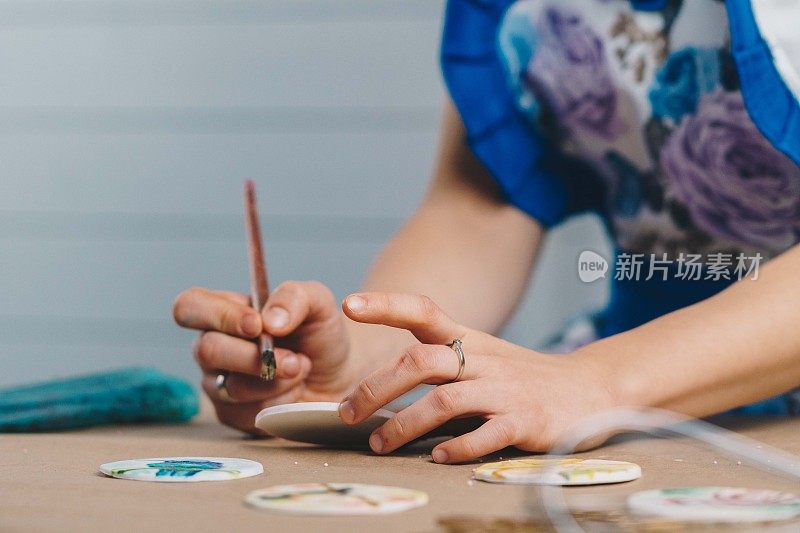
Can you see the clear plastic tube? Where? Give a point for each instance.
(660, 423)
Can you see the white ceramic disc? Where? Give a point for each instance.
(182, 469)
(336, 499)
(716, 504)
(318, 423)
(539, 471)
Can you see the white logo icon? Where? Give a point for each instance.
(591, 266)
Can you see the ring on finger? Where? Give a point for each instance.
(221, 385)
(456, 346)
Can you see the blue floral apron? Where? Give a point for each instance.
(676, 121)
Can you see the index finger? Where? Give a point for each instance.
(417, 313)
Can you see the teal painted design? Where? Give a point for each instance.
(186, 468)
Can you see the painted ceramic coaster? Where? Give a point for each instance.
(183, 469)
(318, 423)
(336, 499)
(535, 471)
(716, 504)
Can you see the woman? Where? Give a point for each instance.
(676, 121)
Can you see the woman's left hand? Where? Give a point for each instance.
(528, 399)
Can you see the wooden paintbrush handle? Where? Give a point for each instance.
(259, 284)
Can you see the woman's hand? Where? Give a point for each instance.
(311, 347)
(528, 399)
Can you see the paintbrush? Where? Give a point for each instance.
(259, 286)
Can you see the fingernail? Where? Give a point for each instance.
(346, 411)
(251, 324)
(356, 303)
(290, 365)
(376, 443)
(277, 317)
(439, 456)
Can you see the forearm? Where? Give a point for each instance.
(456, 261)
(738, 347)
(465, 247)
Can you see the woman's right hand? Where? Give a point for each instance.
(312, 347)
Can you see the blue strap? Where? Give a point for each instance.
(497, 132)
(770, 103)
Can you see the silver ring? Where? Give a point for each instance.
(456, 346)
(221, 384)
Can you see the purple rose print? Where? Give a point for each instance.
(734, 184)
(569, 72)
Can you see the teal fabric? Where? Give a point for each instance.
(121, 396)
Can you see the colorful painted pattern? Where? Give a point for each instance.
(718, 504)
(571, 471)
(336, 499)
(182, 469)
(186, 468)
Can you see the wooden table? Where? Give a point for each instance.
(49, 482)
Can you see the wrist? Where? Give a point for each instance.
(610, 372)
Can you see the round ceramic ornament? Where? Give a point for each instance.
(182, 469)
(318, 423)
(716, 504)
(336, 499)
(573, 471)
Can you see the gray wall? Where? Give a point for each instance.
(127, 127)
